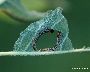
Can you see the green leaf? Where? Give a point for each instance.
(17, 11)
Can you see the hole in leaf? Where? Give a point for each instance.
(47, 40)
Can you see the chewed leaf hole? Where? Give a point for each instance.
(47, 40)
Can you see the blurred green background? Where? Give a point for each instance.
(77, 13)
